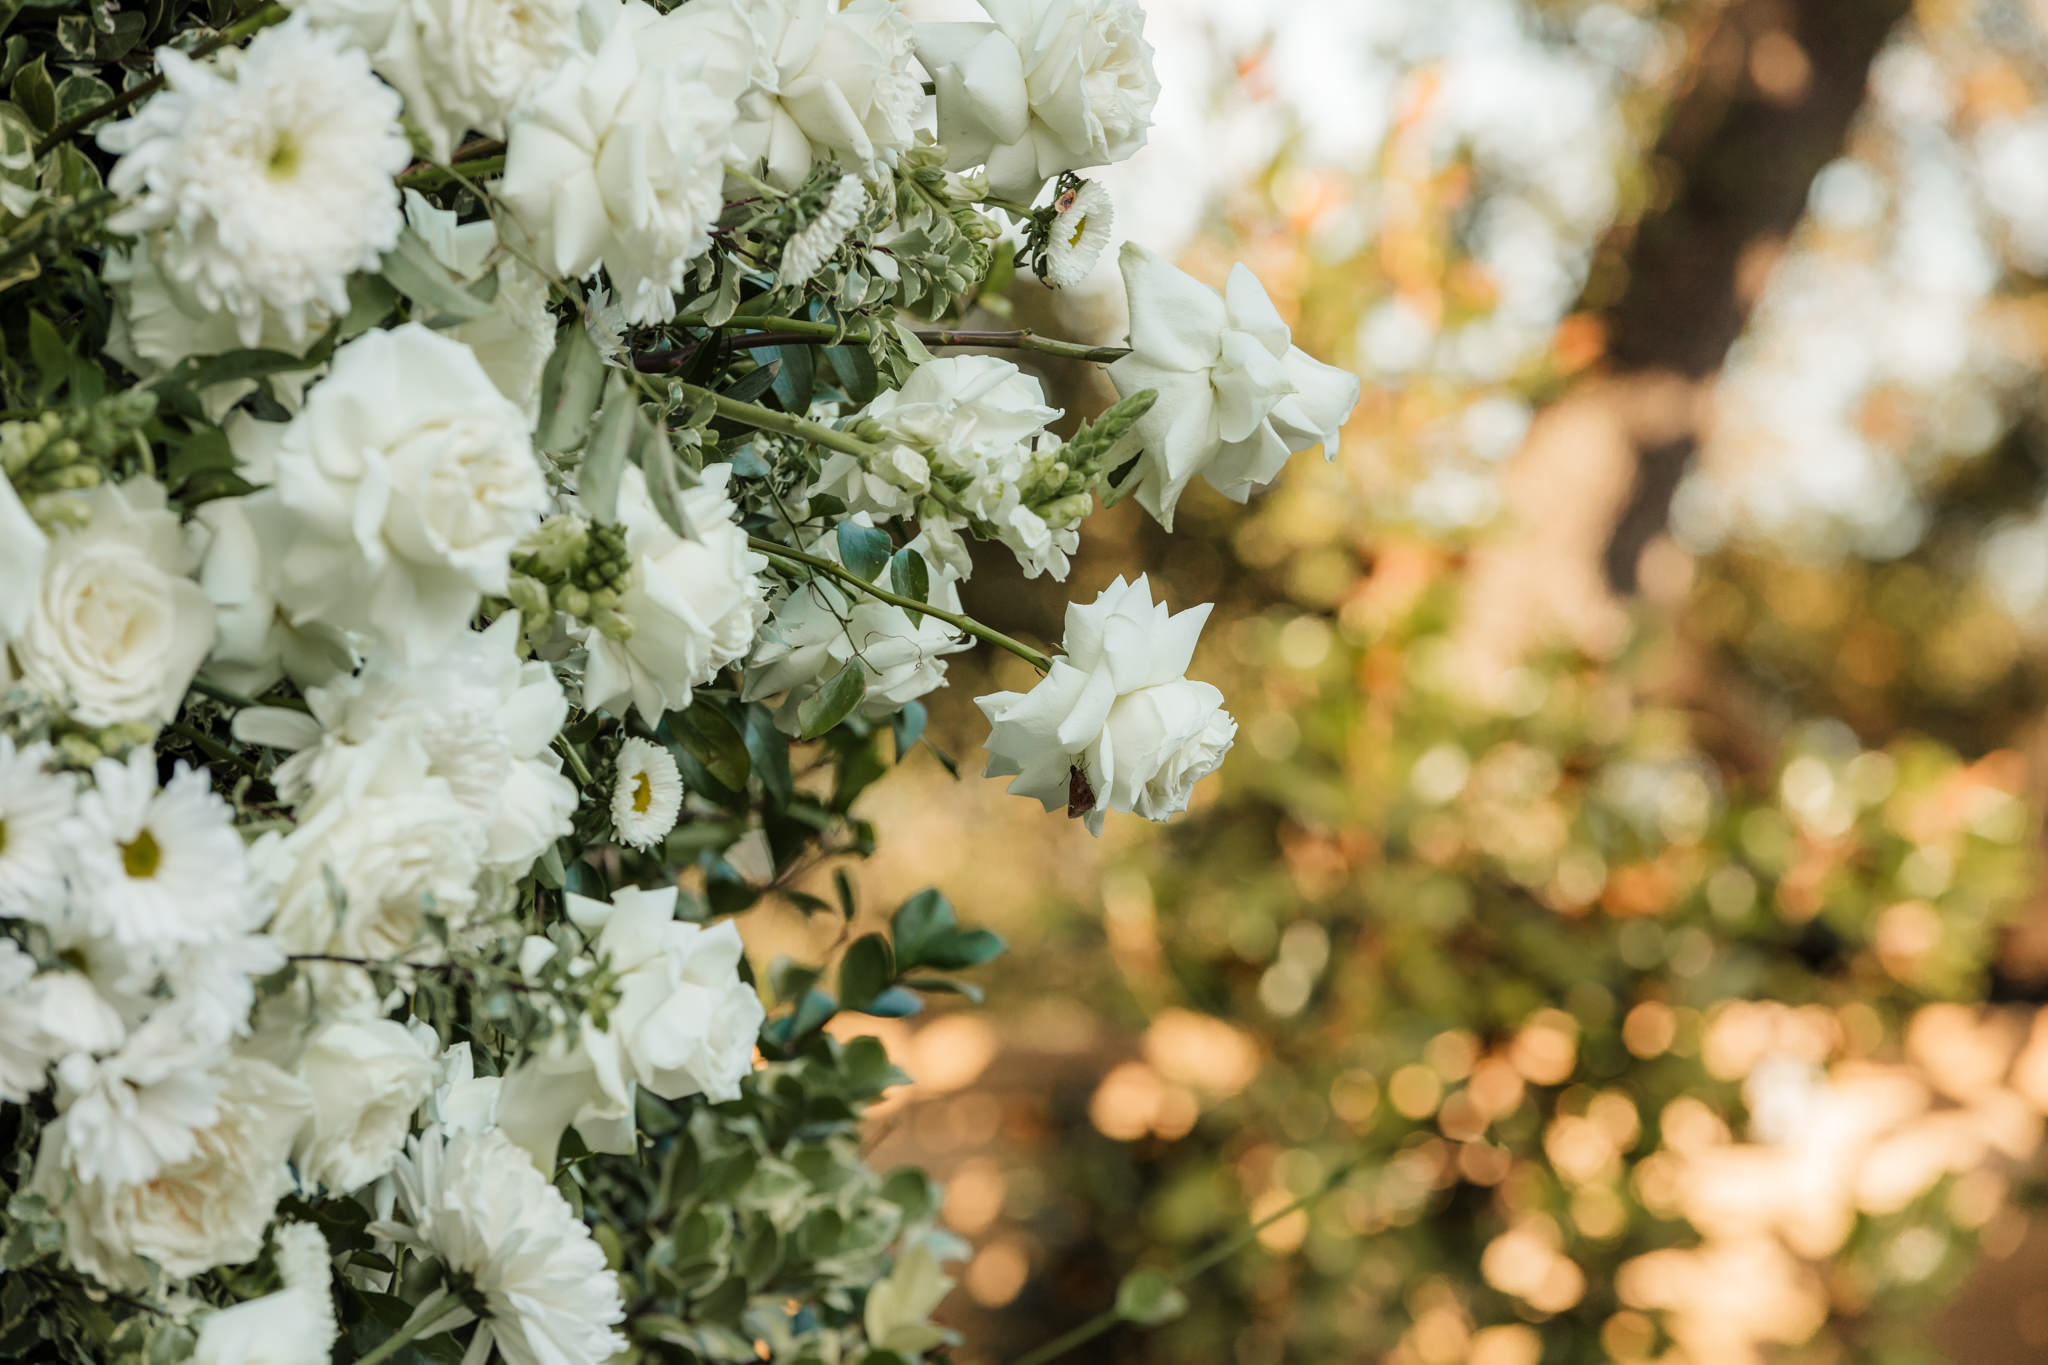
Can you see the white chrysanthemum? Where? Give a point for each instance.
(269, 185)
(694, 604)
(648, 794)
(485, 1211)
(294, 1326)
(35, 806)
(208, 1209)
(133, 1113)
(477, 716)
(618, 159)
(461, 64)
(813, 244)
(1079, 234)
(157, 868)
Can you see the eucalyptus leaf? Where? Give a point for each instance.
(863, 549)
(833, 702)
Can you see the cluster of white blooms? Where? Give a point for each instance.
(386, 678)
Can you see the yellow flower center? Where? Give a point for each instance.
(141, 857)
(284, 157)
(643, 793)
(1080, 230)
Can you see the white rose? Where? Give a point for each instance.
(694, 604)
(409, 478)
(366, 1078)
(461, 64)
(818, 627)
(514, 341)
(23, 547)
(206, 1210)
(618, 159)
(685, 1024)
(115, 629)
(1048, 86)
(373, 856)
(846, 89)
(1236, 397)
(294, 1326)
(1114, 725)
(245, 541)
(475, 716)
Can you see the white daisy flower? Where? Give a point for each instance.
(647, 795)
(35, 806)
(269, 182)
(130, 1115)
(45, 1017)
(813, 243)
(158, 868)
(1080, 234)
(480, 1204)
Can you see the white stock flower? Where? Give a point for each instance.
(1115, 725)
(475, 715)
(479, 1205)
(1236, 397)
(647, 794)
(366, 1077)
(514, 341)
(1079, 235)
(263, 183)
(618, 158)
(685, 1024)
(409, 478)
(693, 604)
(246, 539)
(115, 629)
(35, 812)
(1046, 86)
(813, 244)
(294, 1326)
(44, 1018)
(158, 868)
(845, 88)
(207, 1209)
(461, 64)
(818, 627)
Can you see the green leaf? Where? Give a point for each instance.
(604, 460)
(769, 748)
(708, 736)
(667, 477)
(796, 379)
(856, 371)
(919, 922)
(50, 356)
(939, 985)
(894, 1003)
(907, 725)
(963, 948)
(912, 577)
(76, 94)
(811, 1013)
(751, 386)
(415, 272)
(863, 549)
(1149, 1297)
(36, 93)
(866, 970)
(570, 385)
(834, 701)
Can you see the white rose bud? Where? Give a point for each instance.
(1114, 725)
(1048, 86)
(1236, 397)
(115, 629)
(366, 1078)
(409, 478)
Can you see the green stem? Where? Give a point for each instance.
(433, 176)
(207, 744)
(239, 702)
(568, 751)
(412, 1331)
(1022, 339)
(38, 225)
(782, 423)
(234, 33)
(1109, 1317)
(954, 619)
(1010, 206)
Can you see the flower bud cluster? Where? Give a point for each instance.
(572, 566)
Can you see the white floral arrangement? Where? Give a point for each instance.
(456, 452)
